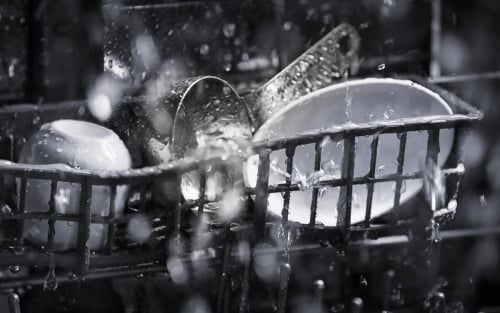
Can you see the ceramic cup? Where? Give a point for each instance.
(67, 145)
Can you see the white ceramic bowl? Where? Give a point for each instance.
(71, 144)
(370, 99)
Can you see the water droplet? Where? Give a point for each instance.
(6, 209)
(452, 205)
(364, 25)
(139, 229)
(59, 150)
(19, 249)
(403, 187)
(14, 269)
(204, 49)
(81, 111)
(229, 30)
(62, 199)
(325, 141)
(381, 168)
(11, 71)
(287, 26)
(482, 201)
(362, 281)
(381, 67)
(36, 120)
(100, 107)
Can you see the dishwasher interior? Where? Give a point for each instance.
(193, 235)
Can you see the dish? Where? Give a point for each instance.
(67, 145)
(357, 101)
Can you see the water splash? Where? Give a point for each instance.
(62, 199)
(308, 181)
(50, 283)
(214, 186)
(348, 101)
(231, 205)
(275, 169)
(331, 169)
(434, 185)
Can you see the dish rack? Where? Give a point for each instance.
(176, 226)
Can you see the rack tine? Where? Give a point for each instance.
(245, 286)
(84, 225)
(111, 216)
(201, 196)
(433, 145)
(285, 270)
(223, 282)
(261, 194)
(176, 238)
(51, 220)
(317, 303)
(345, 196)
(387, 285)
(14, 303)
(458, 155)
(290, 152)
(370, 184)
(21, 209)
(399, 181)
(142, 197)
(356, 305)
(431, 163)
(22, 196)
(317, 166)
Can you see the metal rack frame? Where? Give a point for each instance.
(93, 264)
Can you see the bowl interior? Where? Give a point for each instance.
(357, 101)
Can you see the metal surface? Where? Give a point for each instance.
(325, 63)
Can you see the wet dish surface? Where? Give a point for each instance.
(352, 102)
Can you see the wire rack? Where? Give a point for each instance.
(174, 225)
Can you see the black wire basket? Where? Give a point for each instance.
(177, 225)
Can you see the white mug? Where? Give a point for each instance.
(67, 145)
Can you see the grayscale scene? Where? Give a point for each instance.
(268, 156)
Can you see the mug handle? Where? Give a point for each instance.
(323, 64)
